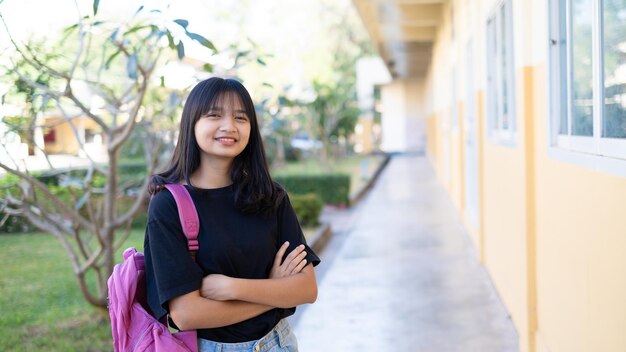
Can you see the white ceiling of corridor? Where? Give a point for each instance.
(403, 32)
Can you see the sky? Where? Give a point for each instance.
(290, 33)
(26, 18)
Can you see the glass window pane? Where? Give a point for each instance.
(491, 75)
(614, 119)
(582, 78)
(504, 123)
(455, 114)
(562, 64)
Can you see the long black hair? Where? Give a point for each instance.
(255, 192)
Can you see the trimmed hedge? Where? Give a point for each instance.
(307, 207)
(331, 188)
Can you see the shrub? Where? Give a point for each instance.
(15, 224)
(307, 207)
(331, 188)
(141, 217)
(8, 183)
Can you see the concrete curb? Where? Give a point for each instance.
(323, 234)
(320, 238)
(358, 195)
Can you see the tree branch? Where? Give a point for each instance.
(84, 289)
(70, 95)
(49, 196)
(152, 155)
(124, 237)
(132, 118)
(91, 260)
(41, 224)
(67, 93)
(79, 139)
(124, 50)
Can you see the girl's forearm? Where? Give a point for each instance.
(191, 311)
(283, 292)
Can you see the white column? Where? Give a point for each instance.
(370, 72)
(403, 121)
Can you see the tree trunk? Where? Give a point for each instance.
(279, 160)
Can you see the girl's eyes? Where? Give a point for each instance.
(214, 115)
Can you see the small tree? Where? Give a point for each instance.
(333, 114)
(334, 111)
(106, 73)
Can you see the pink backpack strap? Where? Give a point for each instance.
(188, 215)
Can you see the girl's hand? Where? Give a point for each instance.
(293, 264)
(217, 287)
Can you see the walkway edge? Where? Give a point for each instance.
(363, 191)
(323, 234)
(320, 238)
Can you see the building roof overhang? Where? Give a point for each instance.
(403, 32)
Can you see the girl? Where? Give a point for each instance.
(240, 288)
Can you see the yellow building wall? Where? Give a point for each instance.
(456, 163)
(460, 150)
(501, 238)
(65, 139)
(479, 233)
(504, 228)
(432, 139)
(581, 249)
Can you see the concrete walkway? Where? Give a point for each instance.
(400, 274)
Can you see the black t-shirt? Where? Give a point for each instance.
(232, 243)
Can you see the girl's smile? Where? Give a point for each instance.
(224, 131)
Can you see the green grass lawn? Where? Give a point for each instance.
(41, 304)
(360, 168)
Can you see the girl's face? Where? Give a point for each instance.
(223, 132)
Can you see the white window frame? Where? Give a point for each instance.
(495, 129)
(607, 154)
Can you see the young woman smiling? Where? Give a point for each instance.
(242, 286)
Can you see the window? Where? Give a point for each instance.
(500, 75)
(49, 135)
(588, 76)
(454, 103)
(89, 135)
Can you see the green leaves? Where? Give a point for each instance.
(170, 40)
(182, 23)
(202, 40)
(107, 64)
(137, 28)
(96, 3)
(194, 36)
(240, 55)
(180, 49)
(131, 66)
(138, 10)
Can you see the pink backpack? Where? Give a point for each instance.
(132, 326)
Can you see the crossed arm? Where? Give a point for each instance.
(224, 300)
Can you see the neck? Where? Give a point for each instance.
(213, 174)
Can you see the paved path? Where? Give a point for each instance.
(400, 274)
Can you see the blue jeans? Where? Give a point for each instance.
(279, 339)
